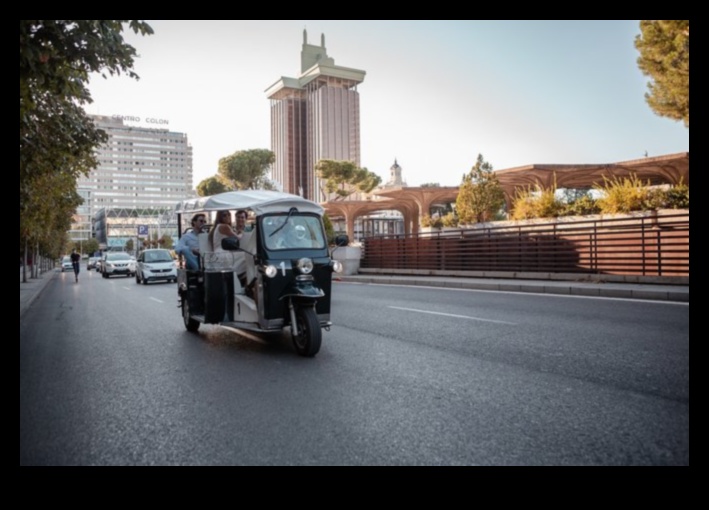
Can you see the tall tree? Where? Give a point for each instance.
(343, 178)
(664, 57)
(211, 186)
(56, 136)
(480, 196)
(247, 169)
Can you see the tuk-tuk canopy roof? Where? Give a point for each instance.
(259, 201)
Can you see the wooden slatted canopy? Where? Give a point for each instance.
(667, 169)
(414, 202)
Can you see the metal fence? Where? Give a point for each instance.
(648, 245)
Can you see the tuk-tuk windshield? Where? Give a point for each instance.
(294, 231)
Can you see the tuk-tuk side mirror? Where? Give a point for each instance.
(230, 244)
(342, 240)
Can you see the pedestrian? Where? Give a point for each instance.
(75, 260)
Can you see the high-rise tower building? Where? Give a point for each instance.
(313, 117)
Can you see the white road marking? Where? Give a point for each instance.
(452, 315)
(158, 300)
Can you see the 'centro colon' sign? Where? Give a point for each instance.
(149, 120)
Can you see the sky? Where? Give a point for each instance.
(437, 93)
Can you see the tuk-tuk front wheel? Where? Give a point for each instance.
(309, 338)
(190, 323)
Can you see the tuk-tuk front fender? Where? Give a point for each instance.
(302, 288)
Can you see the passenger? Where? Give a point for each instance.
(188, 245)
(240, 223)
(220, 230)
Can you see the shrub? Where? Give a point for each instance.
(623, 195)
(450, 220)
(677, 197)
(539, 203)
(427, 221)
(582, 206)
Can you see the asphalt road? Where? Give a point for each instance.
(407, 376)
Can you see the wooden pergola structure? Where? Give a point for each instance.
(415, 202)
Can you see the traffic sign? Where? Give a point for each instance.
(142, 231)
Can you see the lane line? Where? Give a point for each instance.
(452, 315)
(158, 300)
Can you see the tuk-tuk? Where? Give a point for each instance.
(287, 261)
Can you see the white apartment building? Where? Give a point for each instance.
(143, 170)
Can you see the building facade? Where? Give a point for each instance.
(314, 117)
(141, 169)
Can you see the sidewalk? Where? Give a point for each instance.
(649, 291)
(30, 290)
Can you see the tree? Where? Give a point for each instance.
(329, 229)
(166, 242)
(344, 178)
(212, 186)
(57, 139)
(664, 57)
(480, 196)
(247, 169)
(89, 246)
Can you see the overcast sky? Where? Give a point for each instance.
(436, 92)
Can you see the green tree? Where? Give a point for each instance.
(344, 178)
(211, 186)
(247, 169)
(329, 229)
(480, 196)
(664, 57)
(87, 247)
(57, 139)
(166, 242)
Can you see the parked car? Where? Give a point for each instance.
(66, 264)
(155, 264)
(117, 263)
(91, 263)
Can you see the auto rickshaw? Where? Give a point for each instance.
(288, 268)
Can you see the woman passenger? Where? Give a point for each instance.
(221, 229)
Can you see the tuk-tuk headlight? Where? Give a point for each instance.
(270, 271)
(305, 265)
(337, 266)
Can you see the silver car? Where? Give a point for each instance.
(154, 265)
(66, 264)
(117, 263)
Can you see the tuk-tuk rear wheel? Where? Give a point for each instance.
(190, 323)
(307, 342)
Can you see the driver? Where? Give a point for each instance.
(298, 234)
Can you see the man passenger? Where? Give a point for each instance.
(188, 245)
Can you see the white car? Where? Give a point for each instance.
(66, 264)
(155, 264)
(117, 263)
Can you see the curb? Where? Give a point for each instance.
(590, 289)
